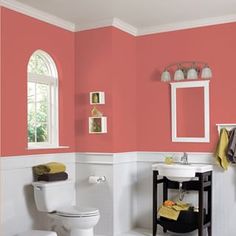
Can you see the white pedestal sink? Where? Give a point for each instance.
(180, 172)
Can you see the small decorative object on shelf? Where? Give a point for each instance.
(96, 113)
(97, 125)
(97, 98)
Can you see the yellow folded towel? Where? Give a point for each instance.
(168, 212)
(49, 168)
(181, 206)
(172, 212)
(221, 149)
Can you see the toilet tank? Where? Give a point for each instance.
(50, 196)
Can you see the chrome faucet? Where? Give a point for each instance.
(184, 159)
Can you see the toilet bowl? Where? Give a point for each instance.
(37, 233)
(55, 198)
(79, 221)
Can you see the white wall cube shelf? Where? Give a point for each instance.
(97, 98)
(98, 125)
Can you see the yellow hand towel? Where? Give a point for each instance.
(168, 212)
(172, 212)
(49, 168)
(221, 149)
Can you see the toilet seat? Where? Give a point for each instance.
(74, 211)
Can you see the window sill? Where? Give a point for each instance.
(45, 147)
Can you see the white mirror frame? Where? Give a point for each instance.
(191, 84)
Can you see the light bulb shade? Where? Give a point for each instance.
(206, 73)
(165, 76)
(192, 74)
(179, 75)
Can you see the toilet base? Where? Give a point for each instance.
(81, 232)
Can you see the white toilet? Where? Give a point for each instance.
(56, 199)
(37, 233)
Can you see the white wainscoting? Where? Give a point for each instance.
(117, 197)
(125, 181)
(17, 208)
(124, 200)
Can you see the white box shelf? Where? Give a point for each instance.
(98, 125)
(97, 98)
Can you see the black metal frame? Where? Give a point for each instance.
(203, 184)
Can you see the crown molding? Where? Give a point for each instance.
(119, 24)
(115, 22)
(40, 15)
(186, 25)
(94, 25)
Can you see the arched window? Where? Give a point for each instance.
(42, 101)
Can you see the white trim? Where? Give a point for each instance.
(28, 161)
(133, 157)
(187, 25)
(115, 22)
(106, 158)
(190, 84)
(94, 25)
(225, 126)
(38, 147)
(44, 79)
(119, 24)
(193, 157)
(37, 14)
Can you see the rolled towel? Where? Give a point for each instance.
(49, 168)
(53, 177)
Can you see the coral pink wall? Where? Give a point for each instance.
(93, 73)
(124, 91)
(137, 104)
(126, 68)
(21, 36)
(105, 61)
(215, 45)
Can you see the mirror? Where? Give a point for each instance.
(190, 111)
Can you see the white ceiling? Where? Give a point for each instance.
(138, 13)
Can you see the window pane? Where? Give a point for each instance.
(38, 65)
(42, 133)
(31, 133)
(42, 92)
(31, 112)
(42, 112)
(31, 92)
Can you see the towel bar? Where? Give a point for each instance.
(226, 126)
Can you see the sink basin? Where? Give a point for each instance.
(180, 172)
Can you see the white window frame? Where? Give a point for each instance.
(53, 121)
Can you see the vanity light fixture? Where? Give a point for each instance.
(179, 74)
(189, 70)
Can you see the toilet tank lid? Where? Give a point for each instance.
(44, 184)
